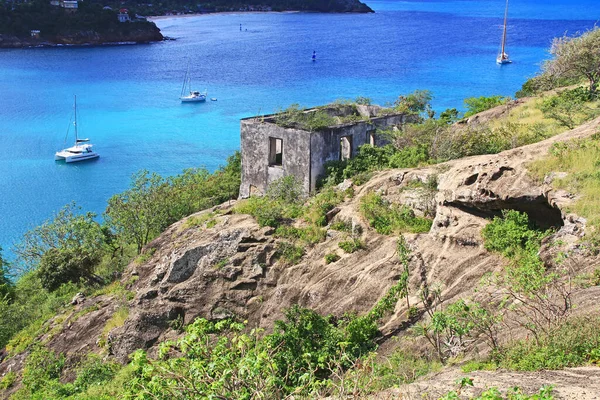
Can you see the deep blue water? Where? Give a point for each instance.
(128, 95)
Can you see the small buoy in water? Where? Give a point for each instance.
(213, 99)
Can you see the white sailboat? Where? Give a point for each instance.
(187, 94)
(82, 150)
(503, 57)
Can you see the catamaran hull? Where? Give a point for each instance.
(70, 159)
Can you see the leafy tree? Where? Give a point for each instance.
(416, 103)
(568, 107)
(139, 213)
(59, 266)
(576, 57)
(68, 230)
(7, 287)
(476, 105)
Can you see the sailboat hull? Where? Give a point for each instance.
(193, 99)
(500, 61)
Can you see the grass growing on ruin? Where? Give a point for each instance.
(580, 160)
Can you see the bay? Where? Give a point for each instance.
(128, 95)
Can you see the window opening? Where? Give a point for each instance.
(345, 147)
(275, 152)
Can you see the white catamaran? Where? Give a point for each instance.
(187, 94)
(82, 150)
(503, 57)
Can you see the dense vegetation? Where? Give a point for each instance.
(54, 21)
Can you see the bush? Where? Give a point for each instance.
(568, 107)
(511, 233)
(476, 105)
(63, 266)
(575, 343)
(331, 258)
(289, 253)
(351, 246)
(387, 218)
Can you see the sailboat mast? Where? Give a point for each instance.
(504, 32)
(186, 80)
(75, 122)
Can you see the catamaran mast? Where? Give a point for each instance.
(504, 32)
(75, 121)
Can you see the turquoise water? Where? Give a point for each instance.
(128, 95)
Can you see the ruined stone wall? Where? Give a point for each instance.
(256, 170)
(325, 146)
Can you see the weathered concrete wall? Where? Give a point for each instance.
(325, 145)
(255, 155)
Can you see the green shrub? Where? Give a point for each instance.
(8, 380)
(476, 365)
(511, 233)
(568, 107)
(351, 246)
(315, 211)
(289, 253)
(575, 343)
(42, 365)
(310, 235)
(409, 157)
(476, 105)
(331, 258)
(387, 218)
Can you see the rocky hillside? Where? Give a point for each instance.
(218, 263)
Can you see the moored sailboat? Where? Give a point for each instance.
(81, 150)
(503, 57)
(187, 94)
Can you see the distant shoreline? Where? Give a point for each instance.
(162, 17)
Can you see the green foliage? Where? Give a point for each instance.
(476, 105)
(342, 226)
(579, 159)
(20, 18)
(310, 235)
(387, 218)
(67, 231)
(65, 265)
(281, 202)
(415, 103)
(7, 287)
(300, 118)
(476, 365)
(287, 190)
(568, 107)
(289, 253)
(331, 258)
(575, 343)
(152, 203)
(300, 357)
(576, 58)
(41, 366)
(409, 157)
(511, 234)
(8, 380)
(22, 319)
(449, 116)
(352, 245)
(317, 207)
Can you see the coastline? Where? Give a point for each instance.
(178, 16)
